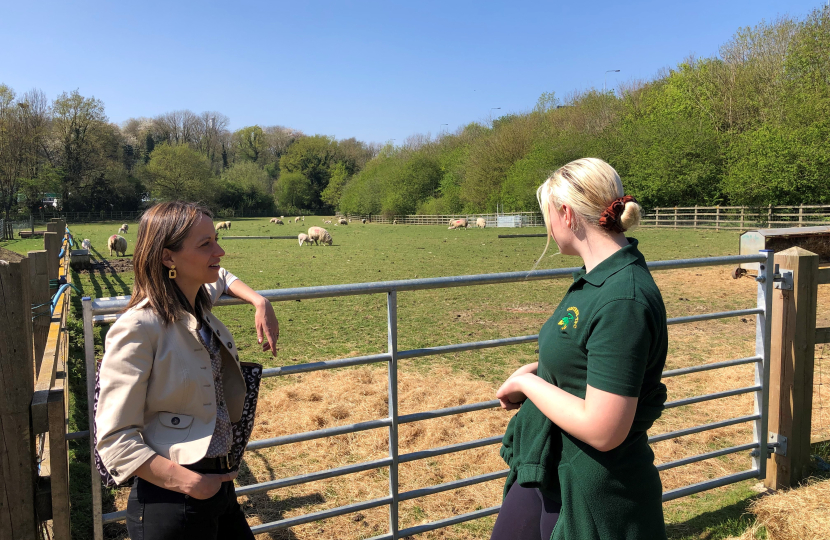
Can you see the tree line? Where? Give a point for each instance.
(749, 126)
(69, 147)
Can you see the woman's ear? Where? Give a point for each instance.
(167, 257)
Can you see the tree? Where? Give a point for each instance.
(339, 178)
(312, 157)
(249, 143)
(179, 173)
(293, 192)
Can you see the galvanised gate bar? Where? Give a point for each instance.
(103, 310)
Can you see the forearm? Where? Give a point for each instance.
(602, 419)
(528, 368)
(164, 473)
(243, 292)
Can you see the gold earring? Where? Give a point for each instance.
(172, 273)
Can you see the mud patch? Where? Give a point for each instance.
(111, 266)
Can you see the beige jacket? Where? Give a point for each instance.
(157, 394)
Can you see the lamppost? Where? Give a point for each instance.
(606, 77)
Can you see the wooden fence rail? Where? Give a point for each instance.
(736, 217)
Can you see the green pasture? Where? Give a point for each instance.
(322, 329)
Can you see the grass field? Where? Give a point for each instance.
(314, 330)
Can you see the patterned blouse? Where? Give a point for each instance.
(222, 439)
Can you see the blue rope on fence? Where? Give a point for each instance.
(60, 255)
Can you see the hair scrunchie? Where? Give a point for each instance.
(610, 217)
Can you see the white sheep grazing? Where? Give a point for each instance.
(86, 244)
(278, 221)
(363, 221)
(123, 228)
(303, 238)
(481, 223)
(457, 223)
(223, 225)
(302, 218)
(297, 219)
(327, 221)
(394, 222)
(118, 244)
(319, 235)
(343, 221)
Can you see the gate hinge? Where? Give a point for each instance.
(783, 279)
(777, 443)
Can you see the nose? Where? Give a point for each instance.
(219, 252)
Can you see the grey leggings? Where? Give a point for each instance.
(526, 514)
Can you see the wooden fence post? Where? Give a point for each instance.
(769, 216)
(17, 448)
(742, 217)
(717, 218)
(52, 245)
(792, 354)
(695, 217)
(39, 288)
(801, 215)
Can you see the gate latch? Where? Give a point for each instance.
(783, 279)
(777, 443)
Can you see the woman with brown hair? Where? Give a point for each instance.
(171, 384)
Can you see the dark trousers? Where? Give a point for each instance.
(155, 513)
(526, 514)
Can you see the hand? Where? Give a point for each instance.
(209, 485)
(510, 394)
(267, 326)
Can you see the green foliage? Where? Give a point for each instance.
(334, 190)
(249, 143)
(180, 173)
(312, 157)
(293, 192)
(246, 188)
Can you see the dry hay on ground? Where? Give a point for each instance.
(798, 514)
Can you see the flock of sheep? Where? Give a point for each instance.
(317, 235)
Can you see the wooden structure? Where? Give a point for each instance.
(34, 466)
(736, 217)
(813, 239)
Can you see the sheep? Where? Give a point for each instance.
(302, 218)
(86, 244)
(363, 221)
(343, 221)
(458, 223)
(394, 222)
(123, 228)
(481, 223)
(319, 235)
(297, 219)
(223, 225)
(273, 220)
(303, 238)
(327, 222)
(118, 244)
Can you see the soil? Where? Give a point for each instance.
(112, 266)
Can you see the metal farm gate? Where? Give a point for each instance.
(103, 310)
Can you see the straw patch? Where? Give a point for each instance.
(797, 514)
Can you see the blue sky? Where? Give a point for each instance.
(375, 70)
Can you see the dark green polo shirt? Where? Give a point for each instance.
(609, 331)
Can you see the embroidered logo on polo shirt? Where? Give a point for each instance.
(571, 316)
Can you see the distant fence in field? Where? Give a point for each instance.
(737, 217)
(510, 219)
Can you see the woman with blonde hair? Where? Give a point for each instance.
(171, 383)
(580, 464)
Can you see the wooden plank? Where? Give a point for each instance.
(59, 454)
(792, 354)
(17, 448)
(39, 287)
(48, 369)
(52, 245)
